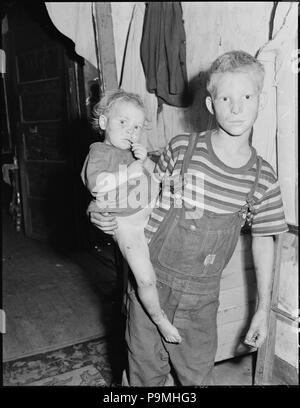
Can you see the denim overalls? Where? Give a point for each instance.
(189, 256)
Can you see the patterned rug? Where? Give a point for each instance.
(85, 364)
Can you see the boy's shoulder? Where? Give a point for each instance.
(182, 139)
(267, 172)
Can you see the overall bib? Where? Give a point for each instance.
(189, 256)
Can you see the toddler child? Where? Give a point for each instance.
(113, 171)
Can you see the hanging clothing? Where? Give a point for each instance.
(280, 87)
(163, 53)
(208, 35)
(121, 13)
(75, 20)
(133, 80)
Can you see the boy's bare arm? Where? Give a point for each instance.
(263, 256)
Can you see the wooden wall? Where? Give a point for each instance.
(287, 322)
(237, 301)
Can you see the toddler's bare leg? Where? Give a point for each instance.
(134, 247)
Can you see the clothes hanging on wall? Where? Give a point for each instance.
(279, 142)
(75, 21)
(264, 137)
(121, 13)
(160, 127)
(213, 28)
(133, 79)
(208, 35)
(163, 53)
(268, 55)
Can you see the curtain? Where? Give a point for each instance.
(282, 49)
(75, 20)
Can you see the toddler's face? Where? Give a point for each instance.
(236, 102)
(123, 124)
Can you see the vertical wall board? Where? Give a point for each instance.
(237, 301)
(286, 345)
(106, 46)
(288, 281)
(287, 131)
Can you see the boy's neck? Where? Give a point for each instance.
(231, 143)
(233, 151)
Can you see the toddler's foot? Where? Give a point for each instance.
(169, 332)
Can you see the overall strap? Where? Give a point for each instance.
(189, 152)
(247, 211)
(255, 184)
(177, 195)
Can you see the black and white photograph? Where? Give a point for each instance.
(149, 197)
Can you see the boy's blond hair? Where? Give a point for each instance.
(235, 61)
(107, 102)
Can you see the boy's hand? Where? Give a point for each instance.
(139, 151)
(257, 332)
(104, 221)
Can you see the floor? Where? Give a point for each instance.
(63, 316)
(52, 299)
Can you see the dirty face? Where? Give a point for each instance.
(235, 103)
(123, 124)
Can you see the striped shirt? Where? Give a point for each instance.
(219, 188)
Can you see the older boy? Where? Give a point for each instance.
(189, 249)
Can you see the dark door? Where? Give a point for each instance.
(48, 103)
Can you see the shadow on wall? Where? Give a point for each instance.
(196, 117)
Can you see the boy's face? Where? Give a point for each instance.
(236, 102)
(123, 124)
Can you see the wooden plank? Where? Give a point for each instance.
(287, 340)
(235, 313)
(106, 46)
(285, 372)
(240, 259)
(237, 277)
(265, 354)
(229, 350)
(230, 340)
(237, 296)
(230, 332)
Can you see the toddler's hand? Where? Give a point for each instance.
(135, 169)
(139, 151)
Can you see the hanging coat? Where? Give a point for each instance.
(163, 53)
